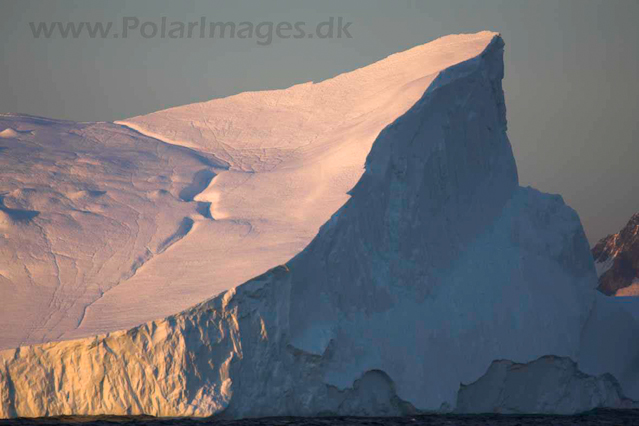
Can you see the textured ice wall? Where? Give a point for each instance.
(437, 265)
(549, 385)
(609, 341)
(440, 263)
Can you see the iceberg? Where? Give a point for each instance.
(143, 218)
(436, 265)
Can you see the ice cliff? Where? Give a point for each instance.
(549, 385)
(609, 341)
(438, 264)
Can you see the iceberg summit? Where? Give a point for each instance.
(437, 285)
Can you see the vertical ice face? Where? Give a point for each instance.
(609, 341)
(440, 263)
(435, 179)
(549, 385)
(437, 265)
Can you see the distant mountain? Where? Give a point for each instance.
(617, 261)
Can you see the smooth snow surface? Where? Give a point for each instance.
(438, 264)
(273, 167)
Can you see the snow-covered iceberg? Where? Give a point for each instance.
(438, 264)
(141, 219)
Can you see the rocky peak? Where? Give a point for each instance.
(617, 260)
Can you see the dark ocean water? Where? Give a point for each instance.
(597, 417)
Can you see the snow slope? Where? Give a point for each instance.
(284, 163)
(438, 264)
(83, 208)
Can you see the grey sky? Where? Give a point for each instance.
(571, 73)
